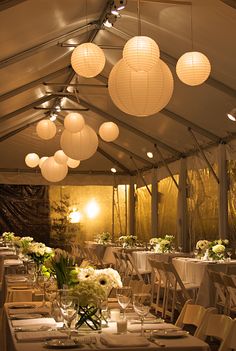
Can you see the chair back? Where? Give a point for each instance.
(230, 341)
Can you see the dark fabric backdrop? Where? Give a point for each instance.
(25, 210)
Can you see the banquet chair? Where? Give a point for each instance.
(220, 292)
(230, 289)
(193, 315)
(215, 327)
(177, 292)
(230, 341)
(120, 264)
(158, 286)
(132, 271)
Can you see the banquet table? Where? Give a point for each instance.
(10, 342)
(193, 270)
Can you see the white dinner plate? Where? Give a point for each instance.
(62, 344)
(170, 334)
(26, 316)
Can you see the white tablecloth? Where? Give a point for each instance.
(195, 271)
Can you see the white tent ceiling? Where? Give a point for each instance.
(34, 50)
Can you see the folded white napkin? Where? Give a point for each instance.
(151, 326)
(12, 262)
(34, 322)
(40, 310)
(123, 340)
(40, 335)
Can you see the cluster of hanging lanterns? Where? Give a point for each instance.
(78, 142)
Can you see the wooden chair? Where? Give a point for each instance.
(230, 341)
(194, 315)
(220, 292)
(132, 271)
(217, 326)
(158, 284)
(230, 289)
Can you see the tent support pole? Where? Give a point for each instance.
(141, 176)
(131, 207)
(154, 202)
(182, 222)
(222, 192)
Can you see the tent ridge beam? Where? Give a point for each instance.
(203, 155)
(132, 129)
(6, 4)
(166, 166)
(112, 159)
(62, 109)
(141, 176)
(34, 83)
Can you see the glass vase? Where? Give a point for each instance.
(90, 317)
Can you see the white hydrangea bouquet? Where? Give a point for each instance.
(92, 286)
(38, 252)
(162, 245)
(103, 238)
(8, 236)
(128, 240)
(214, 250)
(23, 243)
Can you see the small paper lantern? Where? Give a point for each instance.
(74, 122)
(60, 157)
(81, 145)
(193, 68)
(109, 131)
(140, 93)
(141, 53)
(53, 171)
(32, 160)
(46, 129)
(41, 161)
(72, 163)
(88, 60)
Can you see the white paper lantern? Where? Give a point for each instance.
(32, 160)
(141, 53)
(193, 68)
(72, 163)
(74, 122)
(109, 131)
(46, 129)
(88, 60)
(60, 157)
(81, 145)
(41, 161)
(53, 171)
(140, 93)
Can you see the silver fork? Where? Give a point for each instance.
(153, 340)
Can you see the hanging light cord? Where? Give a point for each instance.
(139, 18)
(191, 24)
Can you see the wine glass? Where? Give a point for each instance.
(229, 253)
(69, 308)
(124, 295)
(142, 304)
(41, 283)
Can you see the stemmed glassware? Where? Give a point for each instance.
(142, 304)
(41, 282)
(69, 308)
(229, 253)
(124, 295)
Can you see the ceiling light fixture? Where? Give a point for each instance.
(120, 4)
(149, 154)
(53, 117)
(232, 115)
(113, 170)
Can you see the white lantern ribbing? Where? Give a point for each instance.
(60, 157)
(141, 53)
(140, 93)
(53, 171)
(74, 122)
(88, 60)
(32, 160)
(46, 129)
(72, 163)
(109, 131)
(41, 161)
(81, 145)
(193, 68)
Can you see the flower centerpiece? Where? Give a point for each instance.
(162, 245)
(8, 236)
(23, 243)
(217, 249)
(103, 238)
(202, 247)
(38, 252)
(128, 240)
(60, 265)
(92, 286)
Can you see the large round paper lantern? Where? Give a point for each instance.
(109, 131)
(81, 145)
(141, 53)
(88, 60)
(32, 160)
(140, 93)
(72, 163)
(60, 157)
(46, 129)
(41, 161)
(193, 68)
(74, 122)
(53, 171)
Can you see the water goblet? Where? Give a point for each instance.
(41, 283)
(124, 295)
(69, 311)
(142, 305)
(229, 253)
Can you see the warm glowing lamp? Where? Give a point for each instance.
(141, 53)
(193, 68)
(109, 131)
(46, 129)
(41, 161)
(88, 60)
(53, 171)
(74, 122)
(60, 157)
(72, 163)
(92, 209)
(74, 216)
(32, 160)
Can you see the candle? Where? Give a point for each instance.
(121, 326)
(115, 314)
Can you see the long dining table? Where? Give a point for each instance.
(14, 338)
